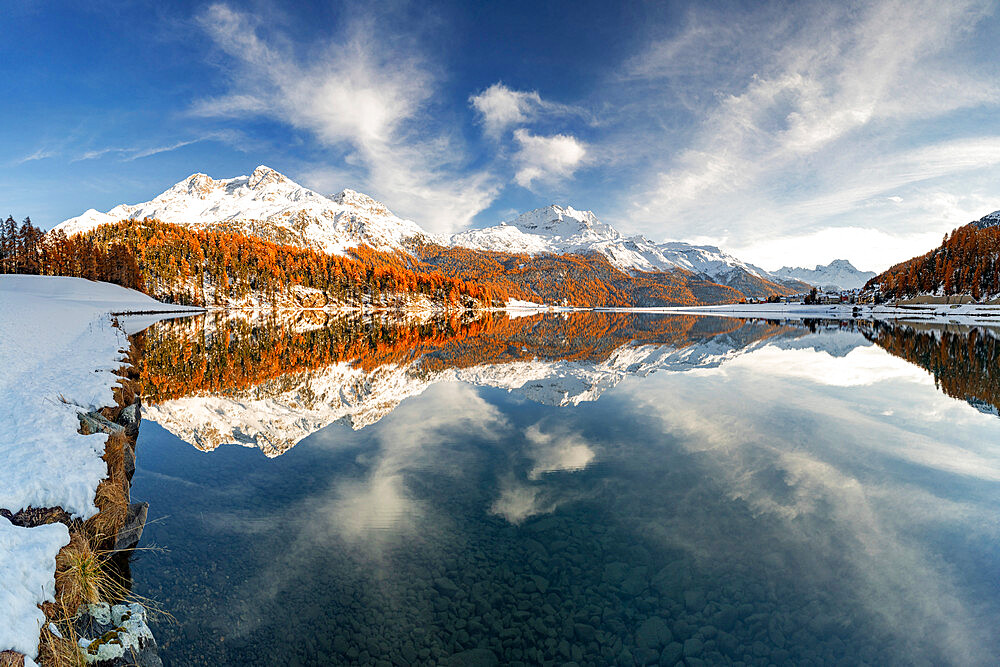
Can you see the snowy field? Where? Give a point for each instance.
(59, 352)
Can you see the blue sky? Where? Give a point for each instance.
(787, 133)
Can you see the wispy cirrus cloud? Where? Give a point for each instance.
(789, 130)
(361, 94)
(40, 154)
(129, 153)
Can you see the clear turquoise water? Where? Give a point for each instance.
(804, 499)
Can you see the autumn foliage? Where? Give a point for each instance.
(28, 250)
(966, 262)
(217, 268)
(574, 280)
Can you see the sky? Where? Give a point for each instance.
(785, 133)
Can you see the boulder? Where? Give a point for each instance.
(95, 422)
(129, 418)
(653, 633)
(135, 521)
(115, 636)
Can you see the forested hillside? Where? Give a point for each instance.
(212, 268)
(218, 268)
(964, 263)
(575, 280)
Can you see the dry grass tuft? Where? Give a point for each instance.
(11, 659)
(112, 496)
(56, 651)
(114, 456)
(112, 503)
(80, 575)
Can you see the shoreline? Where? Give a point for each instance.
(68, 430)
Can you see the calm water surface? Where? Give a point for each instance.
(585, 490)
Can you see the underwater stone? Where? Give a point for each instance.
(694, 600)
(671, 653)
(653, 633)
(692, 647)
(477, 657)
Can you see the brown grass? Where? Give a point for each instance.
(114, 456)
(11, 659)
(55, 651)
(112, 498)
(112, 503)
(81, 576)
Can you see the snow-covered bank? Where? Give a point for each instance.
(59, 350)
(970, 314)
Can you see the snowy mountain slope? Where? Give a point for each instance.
(271, 206)
(839, 274)
(559, 230)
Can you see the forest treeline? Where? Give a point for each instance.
(218, 268)
(965, 263)
(575, 280)
(26, 249)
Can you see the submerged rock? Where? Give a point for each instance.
(653, 633)
(477, 657)
(114, 636)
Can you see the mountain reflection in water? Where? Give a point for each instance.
(583, 487)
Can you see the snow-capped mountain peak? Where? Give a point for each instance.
(565, 223)
(360, 202)
(263, 176)
(270, 205)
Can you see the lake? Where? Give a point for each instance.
(582, 488)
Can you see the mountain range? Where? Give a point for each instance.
(838, 275)
(271, 206)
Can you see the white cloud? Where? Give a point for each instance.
(546, 158)
(499, 107)
(362, 96)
